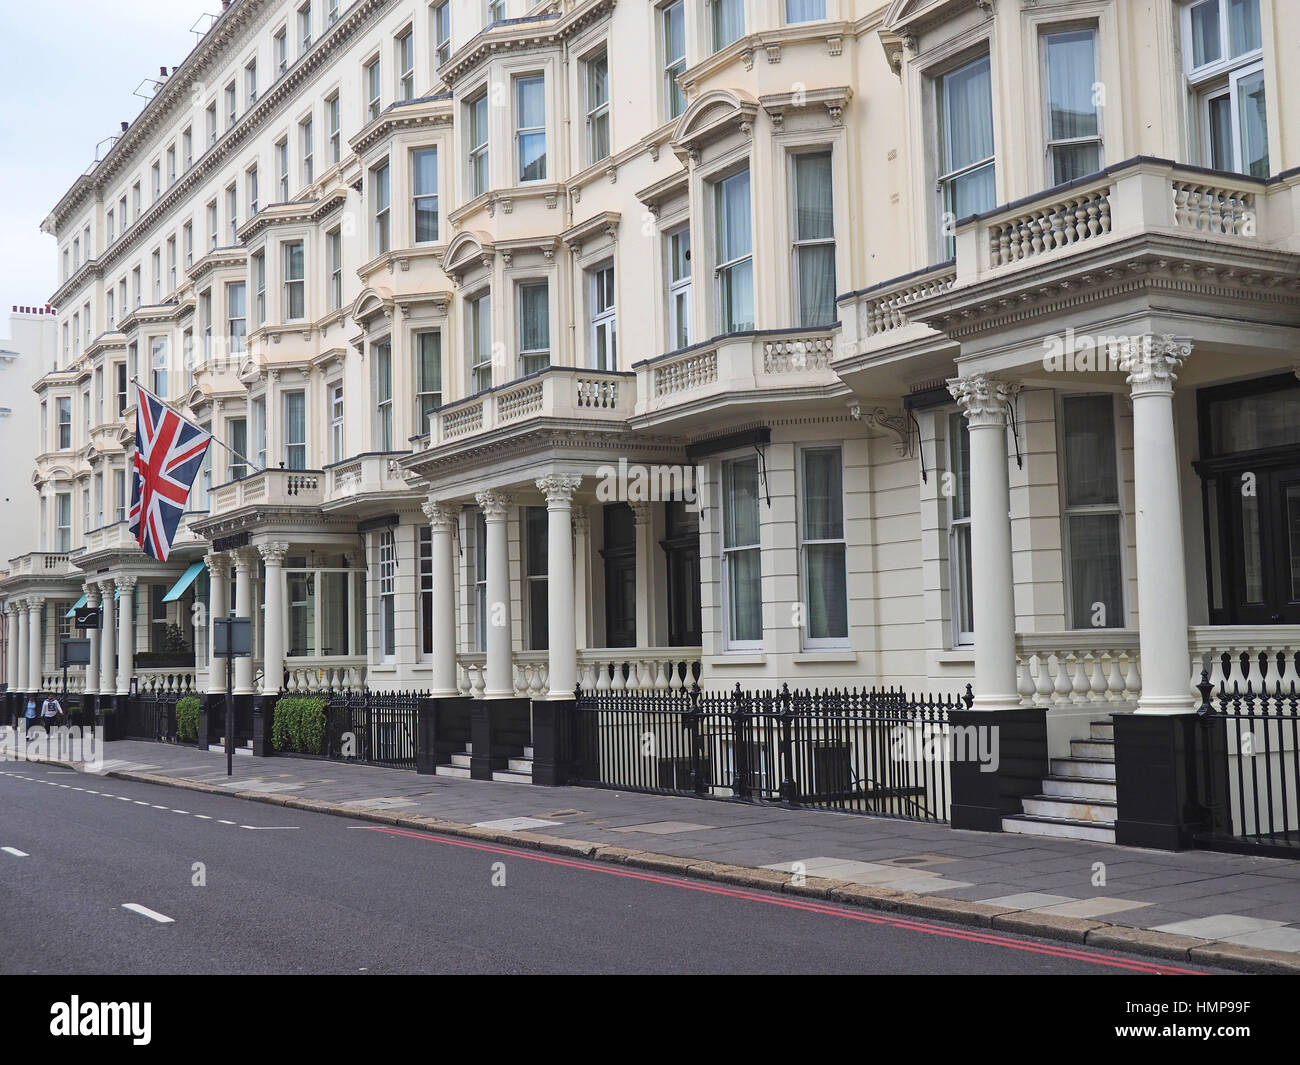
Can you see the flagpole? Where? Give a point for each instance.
(244, 459)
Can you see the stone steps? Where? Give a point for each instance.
(1078, 800)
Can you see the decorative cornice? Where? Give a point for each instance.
(521, 35)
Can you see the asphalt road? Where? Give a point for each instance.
(99, 876)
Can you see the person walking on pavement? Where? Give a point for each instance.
(51, 712)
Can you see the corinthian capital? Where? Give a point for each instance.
(493, 504)
(440, 515)
(273, 553)
(1152, 362)
(983, 399)
(218, 563)
(126, 585)
(558, 489)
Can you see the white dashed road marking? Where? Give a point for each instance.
(15, 852)
(144, 911)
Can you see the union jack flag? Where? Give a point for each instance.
(168, 454)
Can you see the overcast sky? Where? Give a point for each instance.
(68, 69)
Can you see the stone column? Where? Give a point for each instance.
(1152, 363)
(441, 521)
(218, 564)
(245, 567)
(500, 680)
(125, 634)
(986, 402)
(96, 638)
(35, 645)
(13, 672)
(273, 638)
(562, 640)
(643, 514)
(108, 635)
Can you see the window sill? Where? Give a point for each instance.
(737, 658)
(961, 656)
(830, 656)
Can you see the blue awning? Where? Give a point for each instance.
(187, 578)
(79, 603)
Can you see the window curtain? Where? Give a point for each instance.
(968, 136)
(1244, 26)
(1095, 569)
(1071, 72)
(1252, 117)
(535, 328)
(1089, 431)
(728, 22)
(823, 490)
(742, 504)
(295, 430)
(735, 241)
(825, 590)
(430, 363)
(815, 220)
(1205, 33)
(804, 10)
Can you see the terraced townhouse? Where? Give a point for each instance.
(969, 319)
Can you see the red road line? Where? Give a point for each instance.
(906, 924)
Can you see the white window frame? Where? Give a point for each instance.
(441, 14)
(674, 98)
(811, 642)
(306, 145)
(478, 341)
(603, 321)
(282, 169)
(958, 578)
(425, 398)
(946, 180)
(384, 427)
(598, 111)
(334, 111)
(386, 548)
(527, 354)
(294, 285)
(679, 288)
(715, 25)
(1050, 145)
(796, 242)
(372, 74)
(334, 255)
(304, 27)
(381, 201)
(722, 269)
(522, 131)
(729, 642)
(477, 155)
(292, 447)
(404, 50)
(1068, 511)
(338, 440)
(429, 199)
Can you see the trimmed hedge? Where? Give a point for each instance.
(187, 718)
(298, 725)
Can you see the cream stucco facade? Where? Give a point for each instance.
(437, 286)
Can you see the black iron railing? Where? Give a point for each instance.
(872, 751)
(149, 716)
(378, 728)
(1248, 772)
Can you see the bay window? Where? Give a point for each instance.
(814, 239)
(295, 281)
(1225, 70)
(158, 363)
(597, 70)
(428, 377)
(679, 287)
(741, 566)
(1073, 114)
(959, 532)
(387, 596)
(237, 439)
(383, 359)
(604, 319)
(822, 546)
(295, 430)
(379, 194)
(424, 185)
(477, 136)
(236, 320)
(478, 337)
(804, 10)
(967, 170)
(734, 243)
(1092, 513)
(530, 127)
(727, 22)
(674, 38)
(337, 441)
(334, 257)
(534, 326)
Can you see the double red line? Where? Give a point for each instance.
(806, 905)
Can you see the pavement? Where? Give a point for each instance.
(1235, 911)
(114, 876)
